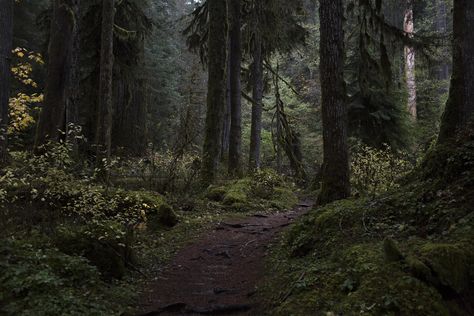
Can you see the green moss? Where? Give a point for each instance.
(452, 264)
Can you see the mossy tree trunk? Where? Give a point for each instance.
(335, 173)
(216, 94)
(104, 121)
(6, 39)
(52, 118)
(235, 138)
(257, 106)
(460, 104)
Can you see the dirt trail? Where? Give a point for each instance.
(218, 274)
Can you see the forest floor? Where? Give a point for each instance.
(220, 272)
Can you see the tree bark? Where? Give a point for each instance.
(6, 39)
(51, 123)
(335, 174)
(410, 54)
(257, 106)
(460, 105)
(104, 122)
(235, 138)
(216, 94)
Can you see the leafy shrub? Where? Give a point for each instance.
(44, 281)
(160, 171)
(264, 181)
(375, 171)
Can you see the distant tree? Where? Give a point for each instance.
(104, 121)
(235, 137)
(216, 97)
(52, 118)
(408, 27)
(460, 105)
(6, 38)
(335, 172)
(257, 88)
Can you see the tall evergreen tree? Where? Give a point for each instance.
(235, 138)
(216, 95)
(104, 122)
(460, 106)
(257, 95)
(335, 173)
(52, 118)
(6, 38)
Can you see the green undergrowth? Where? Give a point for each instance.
(406, 252)
(264, 191)
(71, 246)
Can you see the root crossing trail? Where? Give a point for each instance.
(219, 273)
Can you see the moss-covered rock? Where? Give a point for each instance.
(104, 246)
(391, 250)
(215, 193)
(157, 210)
(452, 264)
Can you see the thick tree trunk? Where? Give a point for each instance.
(235, 138)
(257, 106)
(52, 119)
(104, 122)
(460, 106)
(6, 38)
(408, 27)
(216, 94)
(335, 174)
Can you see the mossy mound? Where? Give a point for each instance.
(264, 191)
(408, 252)
(157, 211)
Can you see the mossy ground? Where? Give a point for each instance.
(265, 191)
(408, 252)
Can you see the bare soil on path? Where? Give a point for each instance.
(219, 273)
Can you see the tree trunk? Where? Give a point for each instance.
(335, 174)
(408, 27)
(52, 119)
(235, 138)
(6, 38)
(257, 106)
(460, 105)
(104, 122)
(216, 94)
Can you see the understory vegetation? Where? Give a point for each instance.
(70, 246)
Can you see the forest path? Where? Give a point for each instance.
(219, 273)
